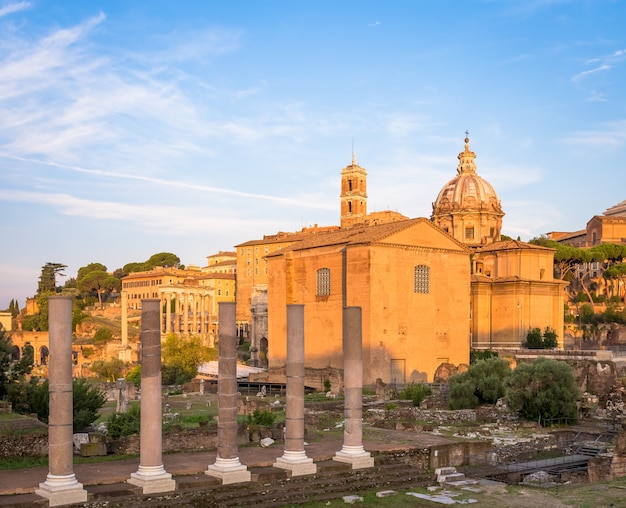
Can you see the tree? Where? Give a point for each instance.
(482, 383)
(544, 390)
(100, 282)
(165, 259)
(47, 280)
(617, 273)
(91, 267)
(185, 354)
(109, 370)
(39, 321)
(6, 347)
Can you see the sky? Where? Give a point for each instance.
(132, 128)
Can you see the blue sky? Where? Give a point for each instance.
(131, 128)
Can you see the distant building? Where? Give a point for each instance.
(610, 227)
(189, 297)
(6, 320)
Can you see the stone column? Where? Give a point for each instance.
(352, 451)
(227, 466)
(203, 318)
(124, 318)
(151, 475)
(61, 486)
(168, 313)
(294, 458)
(185, 332)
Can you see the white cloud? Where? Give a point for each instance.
(11, 8)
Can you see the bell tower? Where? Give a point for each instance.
(353, 194)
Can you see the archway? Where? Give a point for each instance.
(44, 353)
(263, 348)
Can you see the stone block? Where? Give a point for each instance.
(93, 449)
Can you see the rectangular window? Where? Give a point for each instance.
(469, 233)
(323, 282)
(422, 279)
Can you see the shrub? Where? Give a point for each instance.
(87, 401)
(483, 382)
(481, 354)
(543, 390)
(264, 418)
(125, 424)
(535, 340)
(134, 376)
(415, 392)
(102, 336)
(175, 375)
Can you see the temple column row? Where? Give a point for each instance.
(61, 486)
(191, 315)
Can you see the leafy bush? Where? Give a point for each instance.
(543, 390)
(535, 339)
(481, 354)
(102, 336)
(86, 400)
(483, 382)
(415, 392)
(175, 375)
(264, 418)
(134, 376)
(125, 424)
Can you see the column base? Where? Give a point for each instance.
(152, 479)
(62, 490)
(229, 471)
(356, 456)
(296, 462)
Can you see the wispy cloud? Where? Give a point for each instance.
(612, 135)
(11, 8)
(601, 64)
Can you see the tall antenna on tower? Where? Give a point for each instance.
(353, 154)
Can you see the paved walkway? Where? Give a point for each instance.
(20, 484)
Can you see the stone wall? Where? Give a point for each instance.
(26, 445)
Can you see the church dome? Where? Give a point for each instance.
(468, 207)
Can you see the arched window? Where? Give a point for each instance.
(422, 279)
(323, 282)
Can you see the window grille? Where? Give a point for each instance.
(422, 279)
(323, 282)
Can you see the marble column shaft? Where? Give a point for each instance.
(151, 475)
(227, 466)
(227, 383)
(294, 413)
(151, 452)
(60, 421)
(353, 376)
(352, 450)
(294, 457)
(61, 486)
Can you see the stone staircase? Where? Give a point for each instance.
(450, 477)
